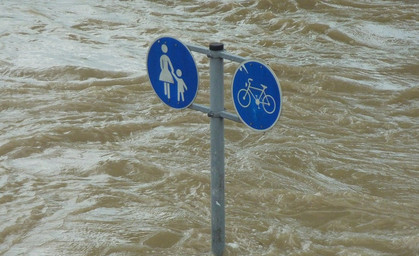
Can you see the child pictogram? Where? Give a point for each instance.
(181, 86)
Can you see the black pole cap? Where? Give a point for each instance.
(216, 46)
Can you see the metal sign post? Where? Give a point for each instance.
(217, 151)
(256, 96)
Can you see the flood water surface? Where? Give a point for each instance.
(93, 163)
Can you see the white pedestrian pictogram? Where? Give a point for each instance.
(168, 73)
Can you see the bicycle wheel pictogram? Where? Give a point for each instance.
(243, 98)
(268, 104)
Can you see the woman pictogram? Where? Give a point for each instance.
(166, 74)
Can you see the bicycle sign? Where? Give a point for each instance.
(256, 94)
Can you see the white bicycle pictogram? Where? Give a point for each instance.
(244, 96)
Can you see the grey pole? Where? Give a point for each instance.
(217, 149)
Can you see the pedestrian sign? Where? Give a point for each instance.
(256, 94)
(172, 72)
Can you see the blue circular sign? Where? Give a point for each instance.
(172, 72)
(256, 94)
